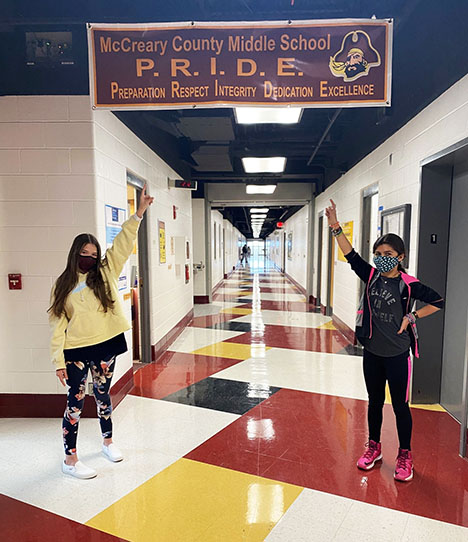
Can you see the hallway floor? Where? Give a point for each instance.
(248, 429)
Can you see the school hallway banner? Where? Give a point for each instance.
(334, 63)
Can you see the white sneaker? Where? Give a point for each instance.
(79, 470)
(112, 452)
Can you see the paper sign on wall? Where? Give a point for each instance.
(115, 217)
(162, 241)
(347, 228)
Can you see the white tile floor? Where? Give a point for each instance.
(280, 296)
(152, 435)
(213, 308)
(193, 338)
(295, 319)
(316, 372)
(316, 516)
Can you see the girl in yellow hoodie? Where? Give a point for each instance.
(88, 326)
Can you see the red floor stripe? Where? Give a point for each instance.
(22, 522)
(296, 338)
(314, 441)
(175, 371)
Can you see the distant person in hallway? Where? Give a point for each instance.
(88, 325)
(245, 254)
(386, 327)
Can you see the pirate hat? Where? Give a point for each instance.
(357, 41)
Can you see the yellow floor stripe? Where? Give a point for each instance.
(432, 408)
(236, 310)
(328, 325)
(195, 502)
(233, 350)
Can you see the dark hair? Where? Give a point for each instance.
(395, 242)
(69, 278)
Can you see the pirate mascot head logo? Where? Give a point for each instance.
(355, 58)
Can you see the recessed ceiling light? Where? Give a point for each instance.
(260, 189)
(272, 164)
(267, 115)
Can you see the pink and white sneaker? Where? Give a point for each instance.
(404, 466)
(370, 456)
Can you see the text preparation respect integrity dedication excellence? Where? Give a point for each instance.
(309, 63)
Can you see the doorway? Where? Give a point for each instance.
(283, 253)
(370, 224)
(442, 260)
(319, 261)
(225, 274)
(139, 278)
(456, 296)
(331, 274)
(257, 255)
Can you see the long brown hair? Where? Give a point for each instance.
(69, 278)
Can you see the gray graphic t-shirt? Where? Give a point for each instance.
(387, 315)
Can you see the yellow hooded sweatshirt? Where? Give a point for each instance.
(85, 322)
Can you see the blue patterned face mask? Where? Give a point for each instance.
(385, 264)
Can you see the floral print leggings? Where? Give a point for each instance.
(77, 372)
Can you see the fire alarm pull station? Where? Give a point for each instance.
(14, 281)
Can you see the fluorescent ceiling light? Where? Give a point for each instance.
(258, 216)
(272, 164)
(259, 210)
(267, 115)
(260, 189)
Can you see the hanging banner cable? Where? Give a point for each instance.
(324, 63)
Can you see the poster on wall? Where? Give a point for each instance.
(347, 228)
(290, 245)
(115, 217)
(312, 63)
(162, 241)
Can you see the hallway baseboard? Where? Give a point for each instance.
(163, 344)
(344, 329)
(201, 299)
(52, 405)
(296, 284)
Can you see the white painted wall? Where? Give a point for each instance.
(59, 165)
(275, 248)
(47, 191)
(117, 150)
(225, 257)
(441, 124)
(296, 267)
(231, 247)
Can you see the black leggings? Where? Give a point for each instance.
(77, 371)
(397, 370)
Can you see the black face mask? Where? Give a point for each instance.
(86, 263)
